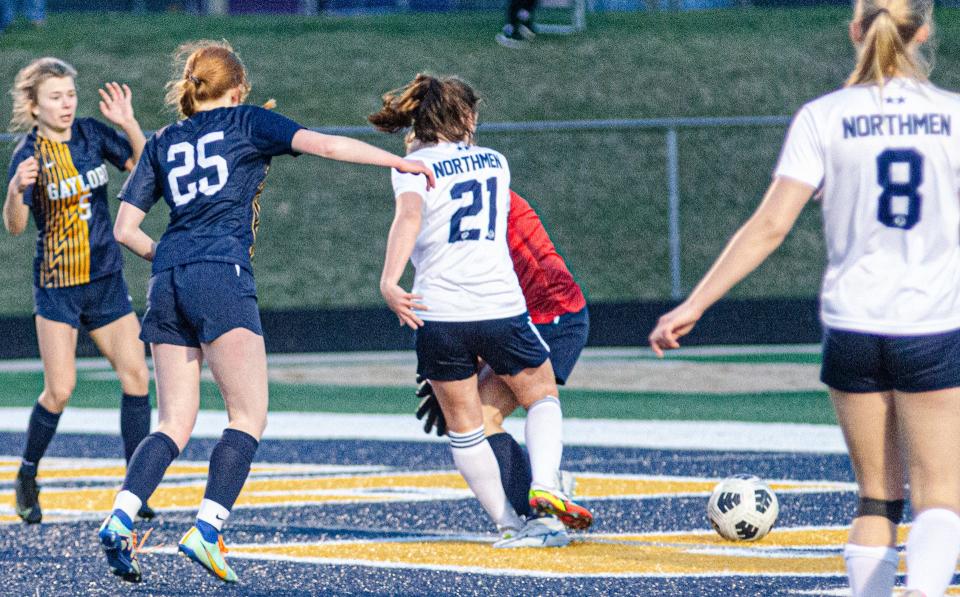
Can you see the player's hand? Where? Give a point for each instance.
(672, 326)
(116, 104)
(418, 167)
(430, 408)
(403, 304)
(26, 174)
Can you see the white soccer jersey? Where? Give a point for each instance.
(889, 166)
(463, 266)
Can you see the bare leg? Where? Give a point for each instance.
(119, 341)
(58, 350)
(928, 424)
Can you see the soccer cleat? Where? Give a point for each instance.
(510, 38)
(146, 512)
(119, 544)
(526, 31)
(209, 555)
(28, 498)
(545, 531)
(554, 503)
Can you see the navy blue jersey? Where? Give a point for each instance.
(69, 203)
(210, 169)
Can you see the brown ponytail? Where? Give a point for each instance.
(209, 70)
(437, 109)
(887, 28)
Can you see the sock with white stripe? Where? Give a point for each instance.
(544, 438)
(872, 570)
(475, 460)
(932, 550)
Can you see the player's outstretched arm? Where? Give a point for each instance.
(15, 212)
(127, 231)
(116, 105)
(400, 243)
(345, 149)
(749, 247)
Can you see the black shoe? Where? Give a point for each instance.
(28, 502)
(146, 512)
(512, 41)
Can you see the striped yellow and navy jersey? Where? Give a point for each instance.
(69, 203)
(210, 169)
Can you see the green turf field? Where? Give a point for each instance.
(97, 388)
(602, 195)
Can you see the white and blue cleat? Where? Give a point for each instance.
(119, 544)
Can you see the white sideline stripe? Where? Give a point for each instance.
(675, 435)
(408, 356)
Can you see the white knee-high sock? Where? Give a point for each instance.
(932, 550)
(477, 463)
(872, 570)
(544, 437)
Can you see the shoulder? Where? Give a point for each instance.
(91, 127)
(949, 99)
(24, 148)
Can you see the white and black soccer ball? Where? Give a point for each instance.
(742, 508)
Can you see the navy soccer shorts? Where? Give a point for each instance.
(198, 302)
(85, 306)
(566, 336)
(861, 362)
(448, 350)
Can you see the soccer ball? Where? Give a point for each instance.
(742, 508)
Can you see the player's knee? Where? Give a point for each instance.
(56, 396)
(892, 510)
(134, 379)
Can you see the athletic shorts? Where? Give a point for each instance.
(566, 336)
(448, 350)
(85, 306)
(860, 362)
(198, 302)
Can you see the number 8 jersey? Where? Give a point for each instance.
(463, 267)
(210, 169)
(888, 164)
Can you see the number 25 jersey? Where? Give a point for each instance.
(210, 169)
(889, 167)
(463, 267)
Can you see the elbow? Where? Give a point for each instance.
(121, 235)
(14, 228)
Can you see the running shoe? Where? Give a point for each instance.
(119, 544)
(545, 531)
(28, 498)
(209, 555)
(554, 503)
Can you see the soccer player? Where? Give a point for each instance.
(59, 173)
(559, 310)
(519, 28)
(884, 153)
(467, 303)
(210, 168)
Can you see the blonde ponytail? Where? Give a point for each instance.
(887, 30)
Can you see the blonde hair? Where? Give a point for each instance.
(209, 70)
(26, 85)
(887, 28)
(433, 106)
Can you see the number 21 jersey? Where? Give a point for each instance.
(210, 169)
(463, 267)
(888, 163)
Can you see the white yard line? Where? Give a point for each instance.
(675, 435)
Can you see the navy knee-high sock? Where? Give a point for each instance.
(40, 430)
(148, 464)
(134, 422)
(514, 470)
(229, 467)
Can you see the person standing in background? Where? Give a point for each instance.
(34, 10)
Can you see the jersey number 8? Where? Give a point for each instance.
(191, 159)
(912, 160)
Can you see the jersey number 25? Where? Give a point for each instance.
(193, 157)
